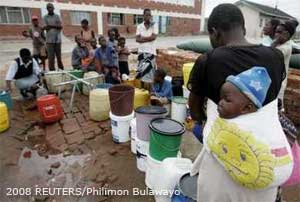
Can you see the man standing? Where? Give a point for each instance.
(146, 34)
(53, 37)
(25, 71)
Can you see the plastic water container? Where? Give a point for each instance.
(50, 108)
(4, 118)
(99, 105)
(5, 98)
(186, 70)
(178, 111)
(120, 127)
(142, 151)
(121, 99)
(94, 82)
(141, 97)
(133, 135)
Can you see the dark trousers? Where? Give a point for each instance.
(54, 49)
(123, 67)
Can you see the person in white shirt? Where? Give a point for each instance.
(282, 41)
(269, 31)
(26, 73)
(146, 34)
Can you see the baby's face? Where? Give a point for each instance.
(232, 102)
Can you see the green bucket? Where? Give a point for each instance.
(165, 138)
(78, 74)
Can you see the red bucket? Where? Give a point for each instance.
(50, 108)
(121, 99)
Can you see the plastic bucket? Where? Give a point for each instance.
(152, 172)
(186, 70)
(178, 111)
(5, 98)
(104, 85)
(165, 138)
(133, 135)
(142, 151)
(144, 116)
(120, 127)
(121, 99)
(4, 118)
(78, 74)
(187, 188)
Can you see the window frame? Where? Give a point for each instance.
(110, 16)
(136, 17)
(22, 10)
(74, 12)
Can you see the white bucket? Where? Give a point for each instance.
(186, 92)
(153, 179)
(133, 135)
(142, 150)
(171, 171)
(120, 127)
(179, 109)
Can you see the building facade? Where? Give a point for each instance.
(174, 17)
(256, 16)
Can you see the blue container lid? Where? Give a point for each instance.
(188, 186)
(151, 110)
(167, 126)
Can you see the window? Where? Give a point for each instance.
(138, 19)
(78, 16)
(14, 15)
(115, 19)
(168, 20)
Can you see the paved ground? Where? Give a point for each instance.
(9, 49)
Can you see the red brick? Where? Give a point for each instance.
(75, 138)
(80, 118)
(70, 125)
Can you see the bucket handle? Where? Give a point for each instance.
(118, 99)
(164, 147)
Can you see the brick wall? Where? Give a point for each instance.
(173, 60)
(292, 96)
(183, 26)
(71, 30)
(6, 31)
(141, 4)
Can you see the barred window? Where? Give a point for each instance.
(78, 16)
(14, 15)
(115, 19)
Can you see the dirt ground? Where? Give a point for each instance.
(76, 152)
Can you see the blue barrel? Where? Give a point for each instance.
(187, 188)
(5, 97)
(104, 85)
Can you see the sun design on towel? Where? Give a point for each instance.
(248, 161)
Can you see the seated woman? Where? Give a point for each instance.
(26, 72)
(106, 61)
(161, 89)
(80, 56)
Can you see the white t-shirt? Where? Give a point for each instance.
(13, 68)
(148, 47)
(286, 50)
